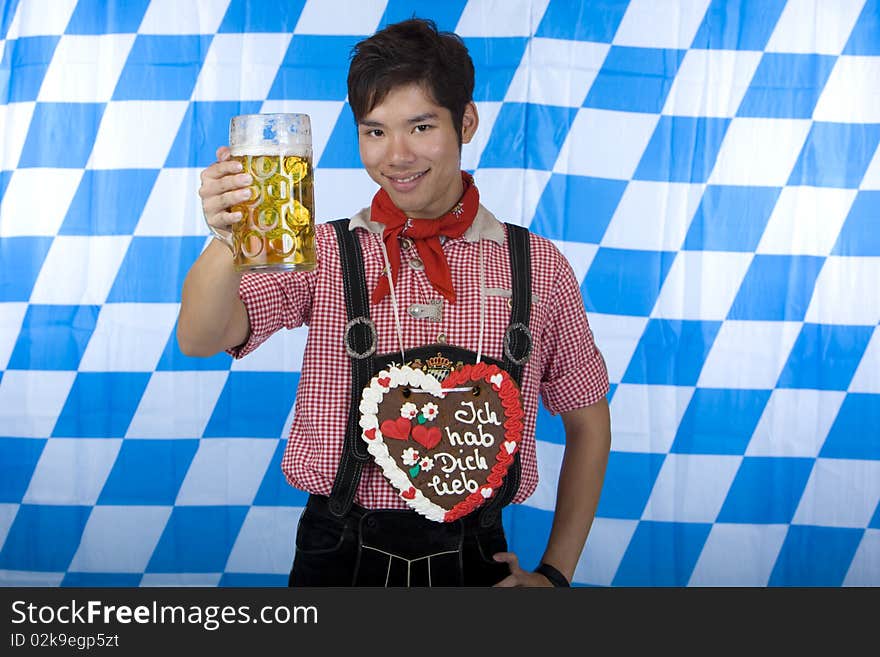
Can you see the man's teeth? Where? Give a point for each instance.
(406, 180)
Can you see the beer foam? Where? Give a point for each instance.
(283, 150)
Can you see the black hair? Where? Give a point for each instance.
(412, 51)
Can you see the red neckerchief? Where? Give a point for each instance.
(425, 234)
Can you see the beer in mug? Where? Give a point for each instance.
(277, 229)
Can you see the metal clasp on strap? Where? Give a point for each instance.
(510, 339)
(374, 337)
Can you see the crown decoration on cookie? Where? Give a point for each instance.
(444, 446)
(438, 366)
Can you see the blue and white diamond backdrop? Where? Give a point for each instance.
(709, 167)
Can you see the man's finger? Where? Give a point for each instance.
(218, 203)
(217, 186)
(223, 219)
(215, 198)
(223, 153)
(220, 169)
(509, 558)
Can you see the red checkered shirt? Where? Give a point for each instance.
(565, 366)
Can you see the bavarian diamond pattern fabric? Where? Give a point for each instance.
(710, 168)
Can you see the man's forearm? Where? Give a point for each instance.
(212, 316)
(588, 441)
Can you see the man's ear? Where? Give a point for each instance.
(469, 123)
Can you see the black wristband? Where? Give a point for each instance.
(556, 578)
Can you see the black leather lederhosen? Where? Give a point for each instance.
(400, 547)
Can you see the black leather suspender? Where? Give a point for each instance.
(517, 349)
(360, 345)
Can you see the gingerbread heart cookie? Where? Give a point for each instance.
(445, 447)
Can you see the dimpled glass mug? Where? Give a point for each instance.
(277, 229)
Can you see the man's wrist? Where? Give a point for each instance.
(555, 577)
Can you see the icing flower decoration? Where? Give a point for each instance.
(430, 411)
(426, 463)
(409, 410)
(409, 456)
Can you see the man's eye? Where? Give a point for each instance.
(375, 132)
(422, 128)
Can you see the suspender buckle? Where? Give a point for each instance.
(517, 343)
(370, 330)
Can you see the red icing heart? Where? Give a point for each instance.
(427, 438)
(385, 381)
(370, 433)
(409, 494)
(397, 429)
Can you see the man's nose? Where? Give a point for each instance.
(399, 149)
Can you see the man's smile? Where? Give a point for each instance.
(406, 179)
(406, 183)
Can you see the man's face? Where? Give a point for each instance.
(409, 147)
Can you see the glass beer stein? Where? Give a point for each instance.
(277, 229)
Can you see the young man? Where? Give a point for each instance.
(438, 274)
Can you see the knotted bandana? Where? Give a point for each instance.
(425, 234)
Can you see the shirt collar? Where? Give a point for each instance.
(485, 226)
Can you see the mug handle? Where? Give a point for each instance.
(226, 238)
